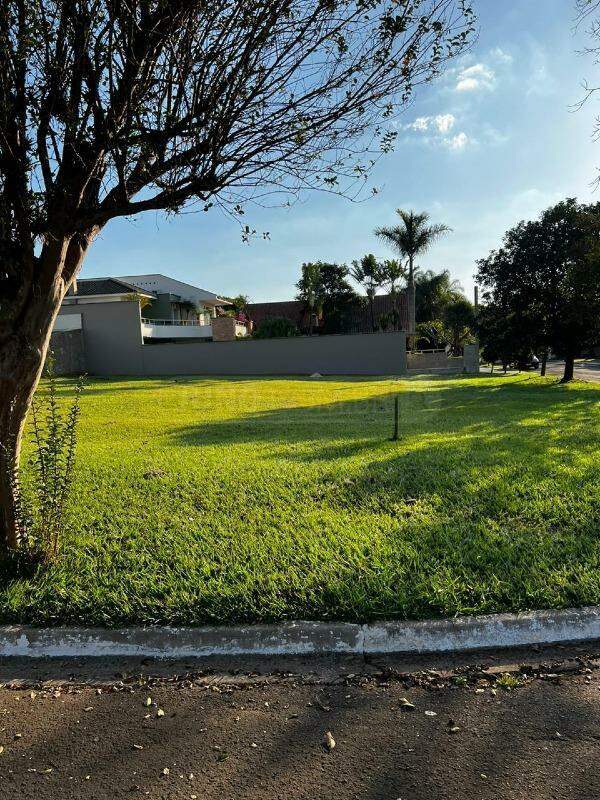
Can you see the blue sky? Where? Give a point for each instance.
(494, 141)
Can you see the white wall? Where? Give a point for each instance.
(72, 322)
(151, 331)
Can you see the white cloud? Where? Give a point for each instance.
(500, 55)
(541, 82)
(476, 77)
(467, 85)
(444, 122)
(436, 130)
(420, 124)
(458, 142)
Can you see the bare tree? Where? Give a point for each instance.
(113, 107)
(588, 20)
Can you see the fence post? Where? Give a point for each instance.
(395, 437)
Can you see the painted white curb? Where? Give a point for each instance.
(308, 638)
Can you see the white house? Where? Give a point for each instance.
(175, 299)
(169, 309)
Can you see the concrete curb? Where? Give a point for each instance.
(307, 638)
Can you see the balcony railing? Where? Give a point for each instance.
(175, 329)
(185, 322)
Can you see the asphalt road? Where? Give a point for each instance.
(257, 731)
(585, 370)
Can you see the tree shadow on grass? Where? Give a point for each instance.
(489, 501)
(516, 420)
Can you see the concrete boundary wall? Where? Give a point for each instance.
(355, 354)
(68, 352)
(439, 361)
(114, 346)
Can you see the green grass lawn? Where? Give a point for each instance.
(229, 500)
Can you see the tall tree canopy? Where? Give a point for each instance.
(434, 292)
(311, 291)
(459, 319)
(324, 289)
(546, 279)
(412, 236)
(110, 108)
(368, 273)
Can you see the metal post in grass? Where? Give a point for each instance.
(396, 435)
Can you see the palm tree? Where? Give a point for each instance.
(434, 291)
(368, 273)
(392, 272)
(413, 236)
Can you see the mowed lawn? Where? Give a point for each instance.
(229, 500)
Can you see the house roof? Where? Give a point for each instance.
(88, 287)
(176, 287)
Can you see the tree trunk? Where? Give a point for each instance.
(21, 363)
(411, 298)
(544, 363)
(24, 340)
(372, 313)
(569, 369)
(394, 294)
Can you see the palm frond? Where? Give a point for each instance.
(413, 235)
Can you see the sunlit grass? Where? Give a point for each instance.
(226, 500)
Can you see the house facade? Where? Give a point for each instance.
(170, 310)
(175, 300)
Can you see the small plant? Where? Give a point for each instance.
(42, 509)
(507, 681)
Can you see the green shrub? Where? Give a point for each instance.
(42, 503)
(276, 328)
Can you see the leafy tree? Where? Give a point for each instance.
(432, 335)
(459, 319)
(311, 291)
(240, 303)
(276, 328)
(500, 336)
(367, 272)
(546, 276)
(108, 109)
(334, 296)
(433, 293)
